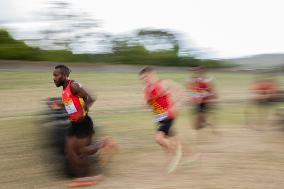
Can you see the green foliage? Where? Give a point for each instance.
(123, 53)
(13, 49)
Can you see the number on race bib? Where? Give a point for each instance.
(70, 108)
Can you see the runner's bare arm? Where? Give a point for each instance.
(175, 90)
(54, 104)
(188, 84)
(78, 90)
(59, 104)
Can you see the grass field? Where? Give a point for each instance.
(237, 157)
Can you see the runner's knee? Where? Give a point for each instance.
(159, 138)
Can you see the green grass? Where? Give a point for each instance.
(111, 88)
(120, 112)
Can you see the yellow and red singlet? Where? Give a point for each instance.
(200, 90)
(74, 105)
(160, 101)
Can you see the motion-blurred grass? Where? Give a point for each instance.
(120, 111)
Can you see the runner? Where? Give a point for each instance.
(159, 96)
(265, 94)
(78, 147)
(202, 94)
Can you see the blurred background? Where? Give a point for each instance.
(106, 43)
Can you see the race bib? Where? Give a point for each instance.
(70, 107)
(161, 117)
(200, 95)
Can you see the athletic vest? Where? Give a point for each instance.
(265, 90)
(74, 105)
(160, 104)
(200, 90)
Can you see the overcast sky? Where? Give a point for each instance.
(223, 28)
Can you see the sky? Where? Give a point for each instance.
(221, 28)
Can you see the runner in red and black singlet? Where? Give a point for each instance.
(77, 102)
(74, 105)
(163, 97)
(265, 93)
(201, 95)
(161, 101)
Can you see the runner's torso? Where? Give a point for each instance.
(200, 91)
(264, 90)
(74, 105)
(160, 101)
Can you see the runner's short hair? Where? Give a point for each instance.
(147, 69)
(64, 69)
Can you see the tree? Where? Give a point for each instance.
(64, 26)
(159, 39)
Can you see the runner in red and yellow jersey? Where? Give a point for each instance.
(161, 102)
(202, 94)
(77, 102)
(265, 93)
(163, 97)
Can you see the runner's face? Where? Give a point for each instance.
(58, 77)
(146, 77)
(199, 73)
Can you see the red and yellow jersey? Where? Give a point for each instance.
(265, 89)
(200, 90)
(74, 105)
(160, 101)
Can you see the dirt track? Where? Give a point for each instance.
(238, 157)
